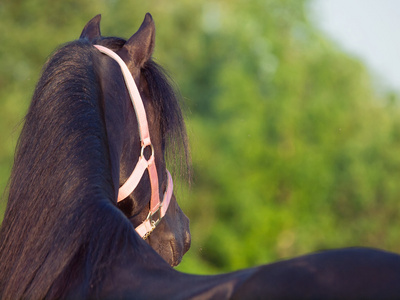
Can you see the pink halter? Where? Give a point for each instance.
(156, 207)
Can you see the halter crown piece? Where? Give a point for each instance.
(158, 209)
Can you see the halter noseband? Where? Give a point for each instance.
(157, 208)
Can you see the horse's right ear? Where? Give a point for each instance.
(139, 48)
(92, 29)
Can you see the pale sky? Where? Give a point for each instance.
(369, 29)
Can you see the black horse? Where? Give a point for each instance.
(65, 235)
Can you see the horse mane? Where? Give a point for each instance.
(61, 212)
(166, 101)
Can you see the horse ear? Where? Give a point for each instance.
(139, 48)
(92, 29)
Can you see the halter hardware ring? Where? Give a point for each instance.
(152, 152)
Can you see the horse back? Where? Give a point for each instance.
(352, 273)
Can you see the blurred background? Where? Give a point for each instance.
(294, 128)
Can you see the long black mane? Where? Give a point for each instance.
(61, 209)
(166, 101)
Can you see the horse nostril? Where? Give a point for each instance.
(188, 242)
(187, 236)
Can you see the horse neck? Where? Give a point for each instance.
(61, 186)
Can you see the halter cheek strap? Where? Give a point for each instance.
(156, 206)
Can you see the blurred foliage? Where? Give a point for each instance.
(292, 149)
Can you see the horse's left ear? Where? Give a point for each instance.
(92, 29)
(139, 48)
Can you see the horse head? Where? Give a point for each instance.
(149, 202)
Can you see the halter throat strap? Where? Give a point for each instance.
(157, 208)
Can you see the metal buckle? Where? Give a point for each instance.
(150, 216)
(153, 223)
